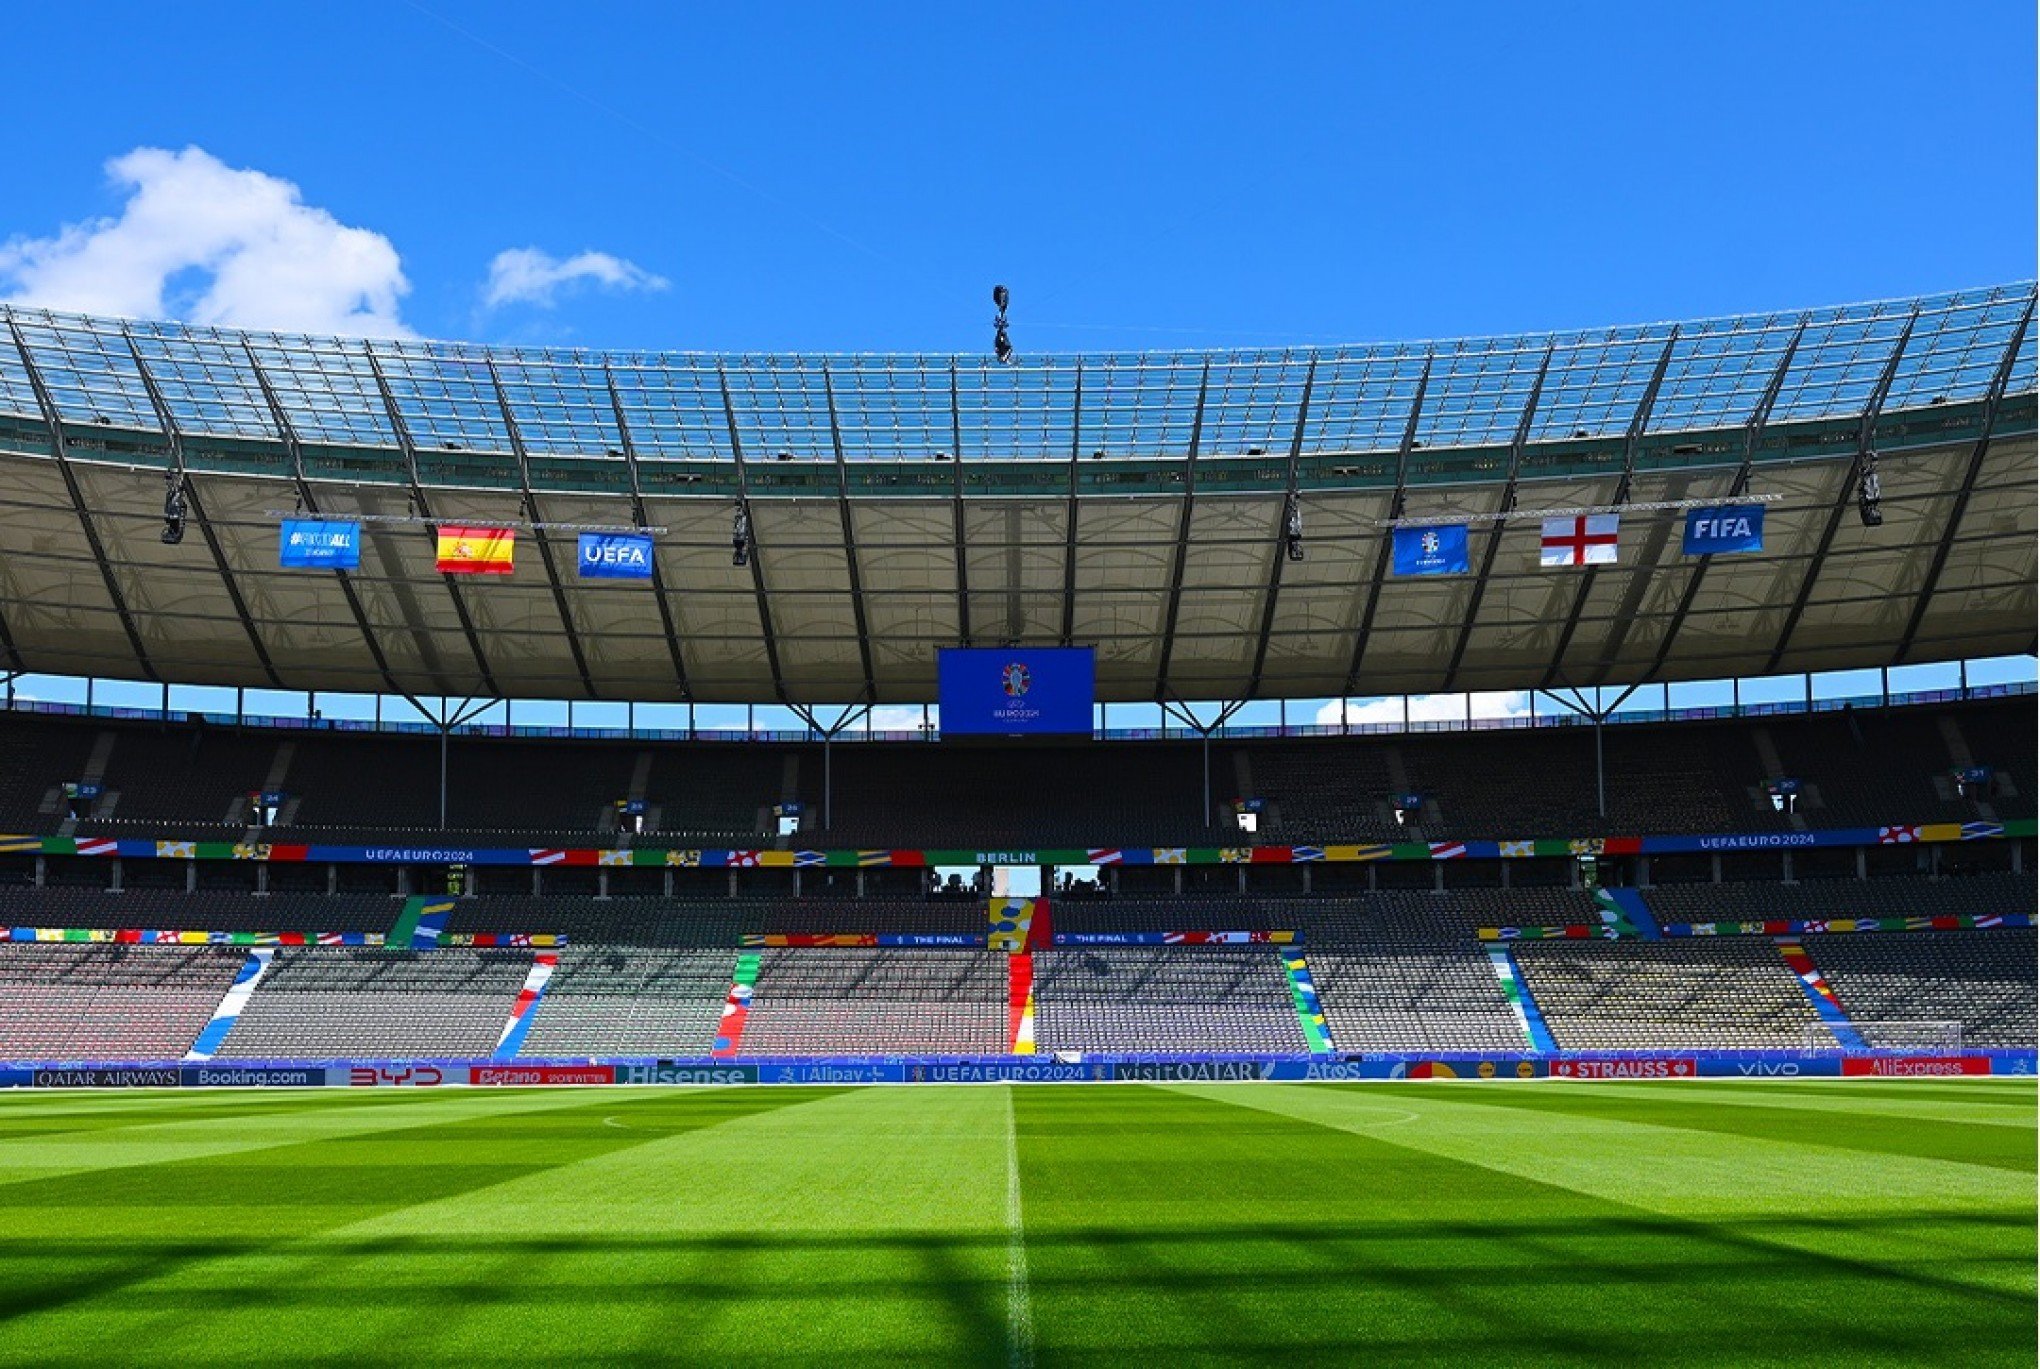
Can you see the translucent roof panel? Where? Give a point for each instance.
(326, 389)
(1142, 405)
(912, 407)
(1017, 412)
(673, 408)
(1841, 357)
(1956, 348)
(17, 394)
(1479, 390)
(445, 394)
(1720, 370)
(1596, 384)
(88, 369)
(206, 381)
(890, 408)
(1254, 401)
(560, 404)
(1361, 401)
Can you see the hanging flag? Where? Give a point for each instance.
(475, 551)
(1436, 550)
(1587, 540)
(320, 544)
(615, 556)
(1724, 529)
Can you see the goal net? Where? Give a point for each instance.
(1921, 1036)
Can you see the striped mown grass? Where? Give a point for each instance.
(1748, 1223)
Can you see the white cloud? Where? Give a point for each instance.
(525, 275)
(203, 241)
(1424, 708)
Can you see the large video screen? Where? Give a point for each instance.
(1016, 691)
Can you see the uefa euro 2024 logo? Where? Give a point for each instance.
(1430, 542)
(1016, 679)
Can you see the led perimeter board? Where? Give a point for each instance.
(1016, 691)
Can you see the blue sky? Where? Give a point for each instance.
(856, 178)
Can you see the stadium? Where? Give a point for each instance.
(1207, 953)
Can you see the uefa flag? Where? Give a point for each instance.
(475, 551)
(1584, 541)
(1439, 549)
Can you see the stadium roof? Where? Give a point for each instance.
(1131, 501)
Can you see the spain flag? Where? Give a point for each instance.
(475, 551)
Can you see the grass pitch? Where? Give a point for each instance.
(1774, 1222)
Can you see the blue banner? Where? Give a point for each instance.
(1439, 550)
(615, 556)
(320, 545)
(1002, 691)
(1724, 529)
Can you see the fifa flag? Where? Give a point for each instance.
(1588, 540)
(1724, 529)
(475, 551)
(1435, 550)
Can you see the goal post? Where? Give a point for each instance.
(1933, 1037)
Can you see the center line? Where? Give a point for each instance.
(1019, 1305)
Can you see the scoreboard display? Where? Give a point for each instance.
(1016, 691)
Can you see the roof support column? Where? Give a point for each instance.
(1279, 557)
(637, 513)
(1069, 614)
(829, 732)
(956, 512)
(545, 553)
(1182, 550)
(1866, 434)
(54, 421)
(1395, 511)
(757, 565)
(849, 539)
(1631, 440)
(181, 480)
(1999, 383)
(424, 508)
(1182, 712)
(296, 451)
(1508, 504)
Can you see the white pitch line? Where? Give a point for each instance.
(1019, 1303)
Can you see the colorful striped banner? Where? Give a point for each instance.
(230, 1007)
(1520, 1002)
(1511, 849)
(1309, 1012)
(525, 1010)
(729, 1032)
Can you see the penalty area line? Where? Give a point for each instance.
(1019, 1302)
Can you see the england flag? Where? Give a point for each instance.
(1584, 541)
